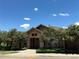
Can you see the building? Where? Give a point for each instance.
(35, 37)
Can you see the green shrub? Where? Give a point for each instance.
(50, 51)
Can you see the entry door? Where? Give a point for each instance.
(34, 43)
(31, 43)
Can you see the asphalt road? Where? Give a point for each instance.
(43, 57)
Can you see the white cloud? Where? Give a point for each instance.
(64, 27)
(35, 9)
(25, 26)
(60, 14)
(27, 19)
(64, 14)
(53, 14)
(77, 23)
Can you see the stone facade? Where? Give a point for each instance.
(34, 38)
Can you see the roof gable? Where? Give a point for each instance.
(41, 26)
(34, 29)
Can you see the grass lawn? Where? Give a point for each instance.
(7, 52)
(50, 50)
(57, 50)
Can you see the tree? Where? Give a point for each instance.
(72, 38)
(51, 36)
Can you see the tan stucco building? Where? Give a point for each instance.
(34, 37)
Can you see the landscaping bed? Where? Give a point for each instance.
(50, 51)
(64, 51)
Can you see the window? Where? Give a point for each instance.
(35, 34)
(32, 34)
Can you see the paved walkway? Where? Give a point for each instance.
(24, 53)
(42, 57)
(32, 52)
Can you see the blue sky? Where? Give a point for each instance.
(24, 14)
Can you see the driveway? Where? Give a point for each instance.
(43, 57)
(31, 54)
(23, 53)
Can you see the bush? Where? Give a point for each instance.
(50, 51)
(66, 51)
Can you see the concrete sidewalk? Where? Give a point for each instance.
(55, 54)
(23, 53)
(32, 52)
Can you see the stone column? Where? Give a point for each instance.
(28, 43)
(41, 44)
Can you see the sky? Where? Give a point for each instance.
(25, 14)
